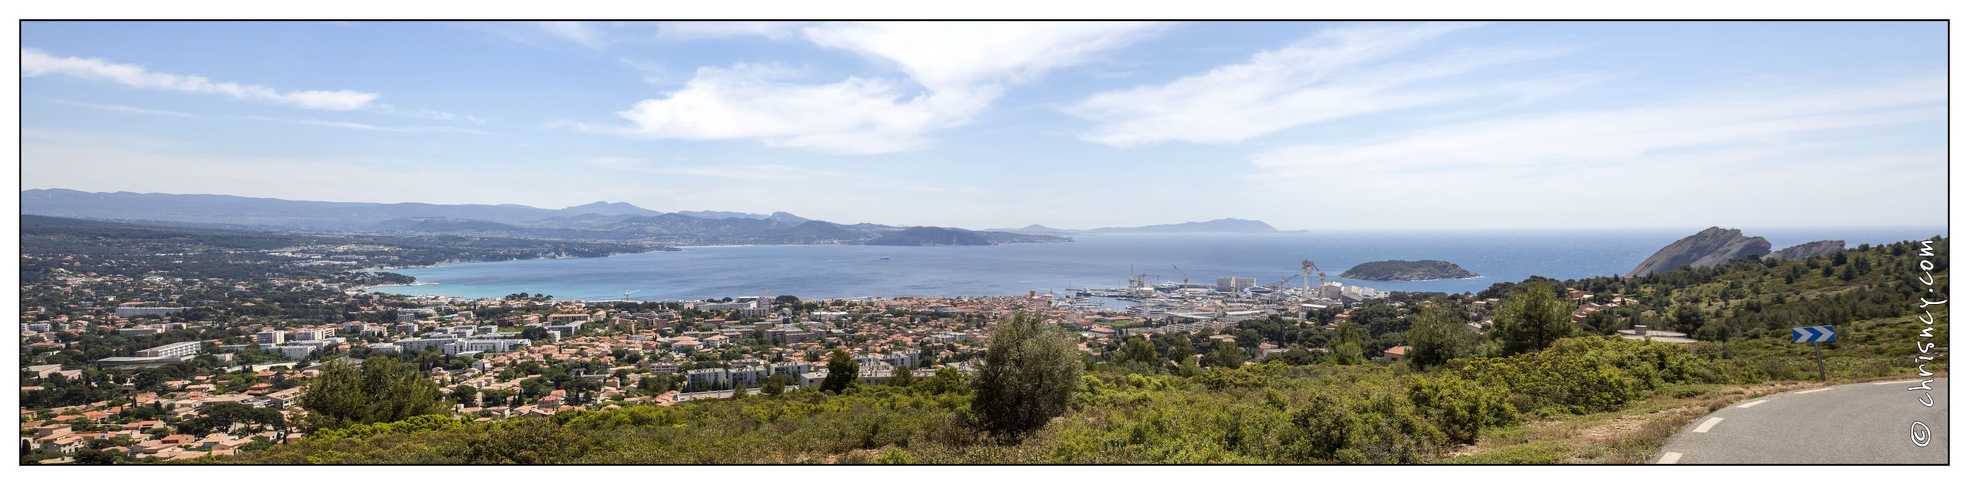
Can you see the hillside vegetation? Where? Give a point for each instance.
(1316, 410)
(1407, 271)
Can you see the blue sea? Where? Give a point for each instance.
(1099, 261)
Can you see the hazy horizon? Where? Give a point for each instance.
(1302, 125)
(1747, 232)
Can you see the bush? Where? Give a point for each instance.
(1367, 426)
(1031, 372)
(1592, 374)
(428, 422)
(1462, 408)
(527, 442)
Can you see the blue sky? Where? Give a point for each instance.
(1306, 125)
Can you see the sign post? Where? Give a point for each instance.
(1822, 333)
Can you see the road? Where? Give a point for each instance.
(1865, 423)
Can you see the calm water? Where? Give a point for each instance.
(817, 272)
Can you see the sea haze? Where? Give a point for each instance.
(1099, 260)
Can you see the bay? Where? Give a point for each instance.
(837, 271)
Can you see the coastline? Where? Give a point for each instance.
(841, 271)
(1420, 281)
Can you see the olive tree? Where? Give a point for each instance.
(1031, 371)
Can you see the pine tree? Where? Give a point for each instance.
(1436, 335)
(842, 372)
(1531, 318)
(381, 390)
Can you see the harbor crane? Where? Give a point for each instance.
(1281, 282)
(1139, 280)
(1306, 269)
(1186, 276)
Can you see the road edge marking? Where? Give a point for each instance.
(1896, 382)
(1809, 391)
(1711, 423)
(1669, 458)
(1752, 403)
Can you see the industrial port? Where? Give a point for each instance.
(1232, 298)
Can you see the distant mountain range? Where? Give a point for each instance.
(599, 221)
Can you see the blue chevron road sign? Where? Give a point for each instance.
(1822, 333)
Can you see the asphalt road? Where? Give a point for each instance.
(1866, 423)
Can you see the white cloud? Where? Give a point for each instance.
(708, 30)
(1336, 73)
(954, 56)
(429, 114)
(961, 68)
(127, 109)
(854, 116)
(37, 63)
(807, 176)
(653, 72)
(1719, 158)
(602, 35)
(368, 127)
(580, 33)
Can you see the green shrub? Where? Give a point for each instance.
(895, 456)
(1594, 374)
(428, 422)
(1368, 426)
(1462, 408)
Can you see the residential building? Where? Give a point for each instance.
(794, 367)
(1394, 354)
(137, 311)
(270, 337)
(172, 350)
(311, 334)
(296, 352)
(713, 378)
(749, 375)
(484, 345)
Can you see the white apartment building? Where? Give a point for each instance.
(485, 345)
(180, 349)
(268, 338)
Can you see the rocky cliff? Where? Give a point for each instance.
(1809, 249)
(1712, 246)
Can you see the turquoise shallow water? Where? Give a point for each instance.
(814, 272)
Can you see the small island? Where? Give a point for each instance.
(1407, 271)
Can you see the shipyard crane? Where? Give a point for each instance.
(1186, 276)
(1281, 282)
(1139, 280)
(1306, 269)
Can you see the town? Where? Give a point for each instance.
(147, 380)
